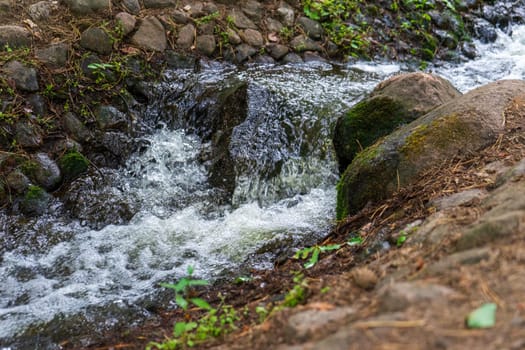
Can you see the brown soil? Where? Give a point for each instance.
(338, 280)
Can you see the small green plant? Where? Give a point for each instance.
(208, 18)
(355, 240)
(182, 288)
(214, 323)
(262, 312)
(297, 295)
(314, 252)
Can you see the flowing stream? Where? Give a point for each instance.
(53, 269)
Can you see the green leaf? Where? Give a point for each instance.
(483, 317)
(327, 248)
(190, 270)
(198, 283)
(313, 259)
(355, 241)
(203, 304)
(168, 285)
(183, 303)
(179, 329)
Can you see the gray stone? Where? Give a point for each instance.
(205, 44)
(252, 37)
(312, 28)
(17, 182)
(180, 17)
(84, 7)
(150, 35)
(132, 6)
(253, 9)
(303, 43)
(47, 173)
(273, 25)
(126, 21)
(209, 8)
(41, 10)
(278, 51)
(264, 59)
(75, 128)
(25, 78)
(186, 36)
(292, 57)
(96, 39)
(401, 295)
(55, 55)
(286, 14)
(157, 4)
(108, 117)
(28, 135)
(38, 105)
(233, 37)
(241, 21)
(467, 197)
(492, 228)
(305, 324)
(309, 56)
(244, 52)
(14, 37)
(5, 5)
(453, 261)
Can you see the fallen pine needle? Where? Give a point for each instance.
(390, 324)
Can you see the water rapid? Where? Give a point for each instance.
(53, 267)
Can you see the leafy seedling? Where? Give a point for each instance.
(314, 252)
(182, 287)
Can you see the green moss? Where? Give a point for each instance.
(364, 124)
(73, 164)
(29, 168)
(362, 160)
(34, 193)
(441, 133)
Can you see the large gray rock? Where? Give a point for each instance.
(55, 55)
(243, 52)
(286, 14)
(83, 7)
(396, 101)
(460, 127)
(96, 39)
(253, 9)
(14, 37)
(25, 78)
(150, 35)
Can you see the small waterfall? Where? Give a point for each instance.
(284, 195)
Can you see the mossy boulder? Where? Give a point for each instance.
(35, 201)
(73, 164)
(394, 102)
(458, 128)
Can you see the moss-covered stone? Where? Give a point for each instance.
(366, 122)
(394, 102)
(35, 201)
(461, 128)
(73, 164)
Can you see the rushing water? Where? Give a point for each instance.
(53, 267)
